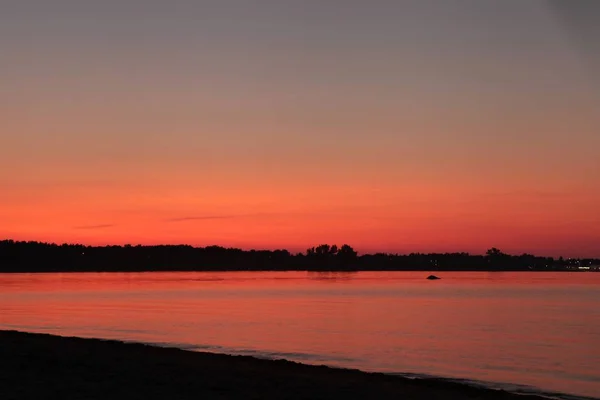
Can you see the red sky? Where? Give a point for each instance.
(415, 126)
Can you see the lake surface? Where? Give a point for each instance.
(521, 331)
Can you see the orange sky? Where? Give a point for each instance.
(413, 127)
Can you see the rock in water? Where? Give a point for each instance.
(433, 277)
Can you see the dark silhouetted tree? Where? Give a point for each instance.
(493, 252)
(48, 257)
(497, 260)
(347, 257)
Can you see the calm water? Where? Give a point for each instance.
(541, 330)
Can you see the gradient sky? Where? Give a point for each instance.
(401, 126)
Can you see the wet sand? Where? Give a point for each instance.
(39, 366)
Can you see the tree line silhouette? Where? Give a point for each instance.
(16, 256)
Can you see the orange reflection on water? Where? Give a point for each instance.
(524, 328)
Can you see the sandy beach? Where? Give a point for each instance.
(46, 366)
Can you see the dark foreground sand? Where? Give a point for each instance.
(36, 366)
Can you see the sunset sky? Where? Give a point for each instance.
(401, 126)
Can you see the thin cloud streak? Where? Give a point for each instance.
(90, 227)
(216, 217)
(202, 218)
(533, 194)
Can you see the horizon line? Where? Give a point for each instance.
(297, 252)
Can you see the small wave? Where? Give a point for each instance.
(311, 358)
(292, 356)
(182, 346)
(263, 354)
(507, 387)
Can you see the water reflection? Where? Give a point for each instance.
(331, 276)
(534, 329)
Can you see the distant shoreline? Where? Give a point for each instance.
(41, 365)
(324, 271)
(32, 257)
